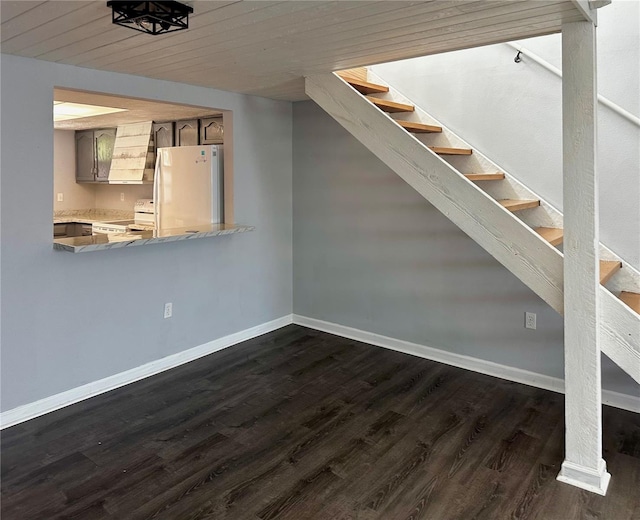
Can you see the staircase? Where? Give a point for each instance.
(518, 228)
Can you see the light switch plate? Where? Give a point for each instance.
(60, 197)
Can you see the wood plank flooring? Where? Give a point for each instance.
(299, 424)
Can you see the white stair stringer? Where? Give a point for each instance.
(620, 333)
(516, 246)
(476, 212)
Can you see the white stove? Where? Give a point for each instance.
(145, 213)
(144, 218)
(102, 228)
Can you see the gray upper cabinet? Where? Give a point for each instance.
(104, 141)
(162, 135)
(211, 130)
(94, 150)
(85, 156)
(186, 133)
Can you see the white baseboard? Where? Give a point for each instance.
(615, 399)
(80, 393)
(57, 401)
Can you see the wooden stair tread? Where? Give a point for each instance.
(517, 204)
(390, 106)
(484, 176)
(552, 235)
(440, 150)
(366, 87)
(631, 299)
(359, 73)
(419, 128)
(607, 269)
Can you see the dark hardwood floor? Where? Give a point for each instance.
(298, 424)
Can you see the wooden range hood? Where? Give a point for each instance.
(133, 157)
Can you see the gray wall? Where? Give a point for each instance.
(513, 114)
(71, 319)
(371, 253)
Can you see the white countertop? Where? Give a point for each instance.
(142, 238)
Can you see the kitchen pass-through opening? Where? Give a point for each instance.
(126, 165)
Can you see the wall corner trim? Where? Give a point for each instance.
(55, 402)
(517, 375)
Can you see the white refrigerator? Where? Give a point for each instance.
(188, 186)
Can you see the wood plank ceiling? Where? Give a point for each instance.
(265, 47)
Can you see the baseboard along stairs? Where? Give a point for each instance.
(517, 227)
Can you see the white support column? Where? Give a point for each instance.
(583, 465)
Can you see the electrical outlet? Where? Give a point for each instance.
(168, 310)
(121, 197)
(530, 320)
(60, 197)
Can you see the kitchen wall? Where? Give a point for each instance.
(108, 196)
(512, 112)
(371, 253)
(67, 319)
(87, 196)
(76, 196)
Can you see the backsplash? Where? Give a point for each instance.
(108, 196)
(96, 213)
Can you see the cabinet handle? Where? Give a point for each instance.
(95, 158)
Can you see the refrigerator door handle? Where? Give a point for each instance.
(156, 192)
(214, 165)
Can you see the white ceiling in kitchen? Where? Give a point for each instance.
(264, 47)
(135, 110)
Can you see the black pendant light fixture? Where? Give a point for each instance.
(151, 17)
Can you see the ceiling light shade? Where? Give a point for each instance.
(151, 17)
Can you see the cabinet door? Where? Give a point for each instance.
(162, 136)
(211, 130)
(85, 156)
(186, 133)
(104, 141)
(60, 230)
